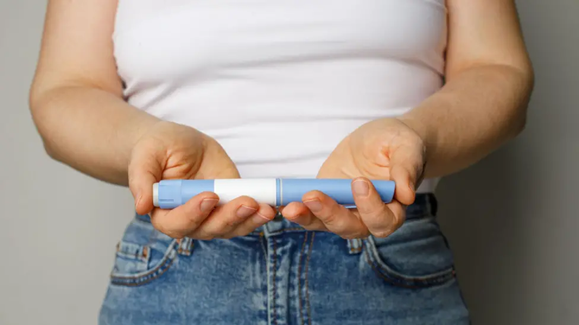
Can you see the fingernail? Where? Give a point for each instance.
(314, 205)
(244, 212)
(361, 188)
(260, 216)
(208, 204)
(137, 200)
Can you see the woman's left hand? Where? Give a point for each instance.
(385, 149)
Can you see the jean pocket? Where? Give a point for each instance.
(142, 255)
(415, 256)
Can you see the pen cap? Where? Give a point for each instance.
(169, 194)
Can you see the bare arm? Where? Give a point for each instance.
(489, 82)
(482, 105)
(76, 96)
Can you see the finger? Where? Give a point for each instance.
(375, 214)
(144, 170)
(184, 219)
(299, 213)
(226, 217)
(399, 212)
(406, 169)
(335, 217)
(264, 214)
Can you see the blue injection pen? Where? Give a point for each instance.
(169, 194)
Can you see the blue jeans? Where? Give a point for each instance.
(284, 275)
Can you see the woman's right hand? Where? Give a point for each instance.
(174, 151)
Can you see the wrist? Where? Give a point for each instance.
(425, 133)
(420, 128)
(143, 125)
(139, 127)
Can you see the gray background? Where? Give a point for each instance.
(511, 219)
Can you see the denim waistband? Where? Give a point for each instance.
(425, 205)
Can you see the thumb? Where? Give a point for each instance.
(405, 171)
(144, 170)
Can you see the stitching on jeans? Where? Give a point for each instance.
(300, 277)
(262, 242)
(285, 230)
(439, 277)
(382, 275)
(354, 246)
(274, 275)
(150, 271)
(141, 279)
(410, 284)
(357, 246)
(307, 291)
(185, 246)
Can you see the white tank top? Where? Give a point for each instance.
(279, 83)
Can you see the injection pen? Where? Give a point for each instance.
(169, 194)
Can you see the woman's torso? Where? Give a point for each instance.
(280, 83)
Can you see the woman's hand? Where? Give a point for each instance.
(385, 149)
(174, 151)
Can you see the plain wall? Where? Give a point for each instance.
(511, 219)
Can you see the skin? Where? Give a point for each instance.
(483, 104)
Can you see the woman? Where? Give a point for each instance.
(132, 92)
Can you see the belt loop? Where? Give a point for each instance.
(354, 246)
(432, 204)
(185, 246)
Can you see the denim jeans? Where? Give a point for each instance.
(282, 274)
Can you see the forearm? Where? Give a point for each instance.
(473, 114)
(89, 129)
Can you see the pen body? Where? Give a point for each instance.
(170, 194)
